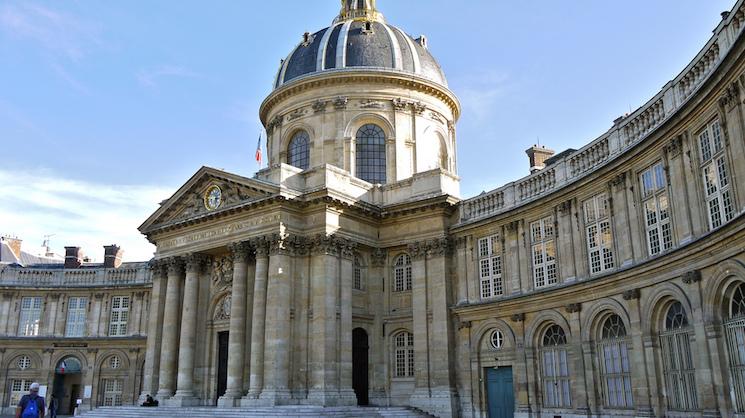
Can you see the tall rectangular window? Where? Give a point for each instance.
(543, 248)
(18, 388)
(599, 234)
(119, 316)
(656, 209)
(77, 309)
(715, 172)
(28, 324)
(112, 395)
(490, 267)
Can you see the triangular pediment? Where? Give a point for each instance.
(190, 200)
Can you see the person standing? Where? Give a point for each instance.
(53, 405)
(31, 405)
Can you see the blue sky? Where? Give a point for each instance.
(106, 108)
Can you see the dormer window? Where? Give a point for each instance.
(422, 41)
(368, 28)
(307, 39)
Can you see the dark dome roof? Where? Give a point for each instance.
(360, 44)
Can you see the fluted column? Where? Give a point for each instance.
(278, 325)
(237, 336)
(420, 307)
(324, 265)
(346, 391)
(154, 329)
(169, 344)
(188, 342)
(258, 319)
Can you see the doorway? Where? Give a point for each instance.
(222, 363)
(499, 392)
(360, 355)
(68, 379)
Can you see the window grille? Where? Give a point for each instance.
(28, 324)
(599, 234)
(404, 354)
(24, 362)
(298, 152)
(370, 154)
(490, 267)
(358, 285)
(555, 369)
(544, 252)
(119, 316)
(18, 388)
(402, 273)
(77, 309)
(615, 368)
(715, 172)
(112, 395)
(497, 339)
(677, 361)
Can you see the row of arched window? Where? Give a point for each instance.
(370, 156)
(613, 364)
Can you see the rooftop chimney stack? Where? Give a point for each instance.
(538, 156)
(15, 245)
(73, 257)
(112, 257)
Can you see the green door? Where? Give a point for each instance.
(500, 395)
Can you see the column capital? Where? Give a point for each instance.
(260, 246)
(157, 267)
(693, 276)
(240, 251)
(323, 244)
(417, 250)
(347, 248)
(439, 247)
(175, 265)
(298, 244)
(377, 258)
(196, 262)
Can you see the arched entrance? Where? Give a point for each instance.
(68, 379)
(360, 379)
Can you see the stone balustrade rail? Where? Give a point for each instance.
(136, 274)
(627, 132)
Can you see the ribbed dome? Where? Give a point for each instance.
(360, 39)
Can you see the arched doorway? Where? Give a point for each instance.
(67, 384)
(360, 378)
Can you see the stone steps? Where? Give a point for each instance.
(279, 411)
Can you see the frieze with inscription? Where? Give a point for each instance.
(223, 231)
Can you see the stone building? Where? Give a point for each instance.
(610, 281)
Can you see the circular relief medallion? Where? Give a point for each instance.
(213, 198)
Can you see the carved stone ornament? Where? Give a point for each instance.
(435, 117)
(439, 247)
(275, 123)
(693, 276)
(222, 310)
(347, 248)
(296, 114)
(260, 246)
(464, 325)
(419, 108)
(196, 262)
(371, 104)
(222, 271)
(618, 182)
(731, 96)
(675, 146)
(565, 207)
(240, 251)
(377, 258)
(451, 126)
(417, 250)
(513, 226)
(319, 106)
(632, 294)
(400, 104)
(573, 308)
(324, 245)
(520, 317)
(298, 244)
(340, 103)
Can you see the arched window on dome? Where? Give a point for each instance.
(555, 368)
(402, 273)
(370, 154)
(613, 360)
(298, 152)
(734, 326)
(677, 360)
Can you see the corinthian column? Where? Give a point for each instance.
(237, 336)
(154, 328)
(169, 344)
(346, 391)
(258, 322)
(188, 342)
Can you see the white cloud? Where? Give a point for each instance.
(58, 33)
(149, 77)
(79, 213)
(480, 91)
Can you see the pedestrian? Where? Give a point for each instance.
(31, 405)
(53, 405)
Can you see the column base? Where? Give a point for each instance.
(332, 397)
(378, 397)
(268, 397)
(163, 394)
(229, 400)
(440, 402)
(183, 399)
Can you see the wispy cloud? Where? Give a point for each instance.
(80, 213)
(150, 77)
(480, 91)
(58, 33)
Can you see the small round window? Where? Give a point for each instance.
(24, 362)
(115, 362)
(497, 340)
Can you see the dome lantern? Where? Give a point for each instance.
(359, 10)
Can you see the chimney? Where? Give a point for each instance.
(112, 256)
(538, 156)
(73, 257)
(15, 246)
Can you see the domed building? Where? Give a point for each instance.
(608, 282)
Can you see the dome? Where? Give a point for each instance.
(360, 39)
